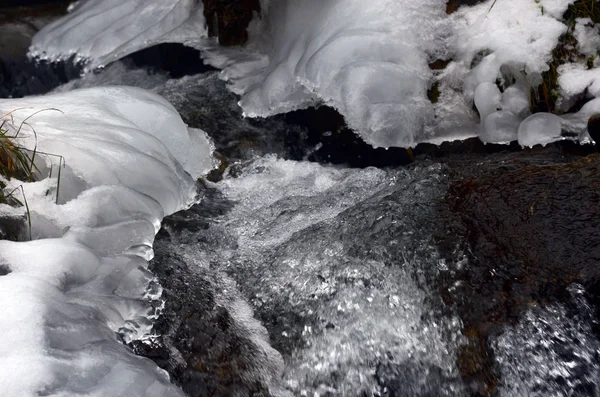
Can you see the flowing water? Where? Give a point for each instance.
(301, 278)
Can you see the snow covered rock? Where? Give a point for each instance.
(111, 162)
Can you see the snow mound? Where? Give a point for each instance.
(103, 31)
(124, 159)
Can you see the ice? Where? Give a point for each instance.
(500, 127)
(514, 99)
(540, 128)
(102, 31)
(500, 113)
(367, 60)
(487, 99)
(126, 160)
(372, 69)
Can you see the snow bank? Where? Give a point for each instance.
(369, 60)
(123, 159)
(102, 31)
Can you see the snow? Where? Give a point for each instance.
(128, 160)
(587, 35)
(368, 60)
(575, 78)
(518, 35)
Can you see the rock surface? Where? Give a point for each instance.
(521, 228)
(229, 19)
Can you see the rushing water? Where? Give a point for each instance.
(297, 278)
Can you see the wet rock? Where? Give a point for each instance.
(20, 76)
(174, 59)
(15, 38)
(13, 227)
(229, 19)
(594, 127)
(207, 347)
(4, 270)
(453, 5)
(21, 20)
(530, 223)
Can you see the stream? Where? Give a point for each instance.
(297, 275)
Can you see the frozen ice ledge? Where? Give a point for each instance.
(110, 163)
(370, 60)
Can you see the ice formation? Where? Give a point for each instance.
(102, 31)
(517, 35)
(540, 128)
(126, 159)
(372, 68)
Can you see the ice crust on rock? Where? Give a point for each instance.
(102, 31)
(128, 161)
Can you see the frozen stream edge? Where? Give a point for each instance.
(81, 285)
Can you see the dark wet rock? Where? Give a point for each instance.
(13, 227)
(229, 19)
(520, 228)
(594, 127)
(204, 344)
(15, 39)
(22, 3)
(408, 380)
(4, 270)
(21, 20)
(207, 104)
(453, 5)
(174, 59)
(19, 78)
